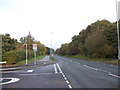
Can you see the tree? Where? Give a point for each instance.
(94, 41)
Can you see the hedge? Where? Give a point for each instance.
(15, 56)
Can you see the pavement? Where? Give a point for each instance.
(63, 73)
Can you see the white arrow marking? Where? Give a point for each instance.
(11, 81)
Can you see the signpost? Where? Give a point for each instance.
(35, 49)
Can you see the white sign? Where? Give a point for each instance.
(34, 47)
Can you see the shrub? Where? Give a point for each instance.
(15, 56)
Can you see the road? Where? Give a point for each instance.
(63, 73)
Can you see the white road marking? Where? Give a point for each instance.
(12, 72)
(114, 75)
(69, 86)
(35, 74)
(103, 70)
(3, 62)
(64, 76)
(67, 82)
(55, 68)
(91, 67)
(13, 80)
(30, 71)
(59, 68)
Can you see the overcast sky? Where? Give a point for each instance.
(65, 18)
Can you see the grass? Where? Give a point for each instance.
(104, 60)
(29, 60)
(52, 59)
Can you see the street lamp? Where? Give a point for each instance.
(51, 52)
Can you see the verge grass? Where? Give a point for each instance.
(29, 60)
(104, 60)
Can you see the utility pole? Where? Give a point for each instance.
(26, 53)
(118, 29)
(29, 43)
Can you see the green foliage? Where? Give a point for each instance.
(8, 44)
(107, 51)
(15, 56)
(98, 40)
(94, 41)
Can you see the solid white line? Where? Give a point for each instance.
(113, 75)
(59, 68)
(11, 81)
(30, 71)
(91, 67)
(55, 68)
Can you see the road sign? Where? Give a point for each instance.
(51, 51)
(34, 47)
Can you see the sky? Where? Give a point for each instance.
(64, 18)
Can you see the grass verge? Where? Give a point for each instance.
(29, 60)
(104, 60)
(52, 59)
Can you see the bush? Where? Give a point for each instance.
(31, 54)
(107, 51)
(95, 55)
(15, 56)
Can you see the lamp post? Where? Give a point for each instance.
(118, 30)
(51, 45)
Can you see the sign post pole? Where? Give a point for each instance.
(35, 49)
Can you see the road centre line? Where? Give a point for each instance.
(91, 67)
(64, 76)
(55, 68)
(103, 70)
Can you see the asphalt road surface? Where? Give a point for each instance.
(63, 73)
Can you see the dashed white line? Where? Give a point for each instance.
(55, 68)
(69, 86)
(91, 67)
(67, 82)
(103, 70)
(30, 71)
(113, 75)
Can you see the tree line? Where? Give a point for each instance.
(14, 51)
(98, 40)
